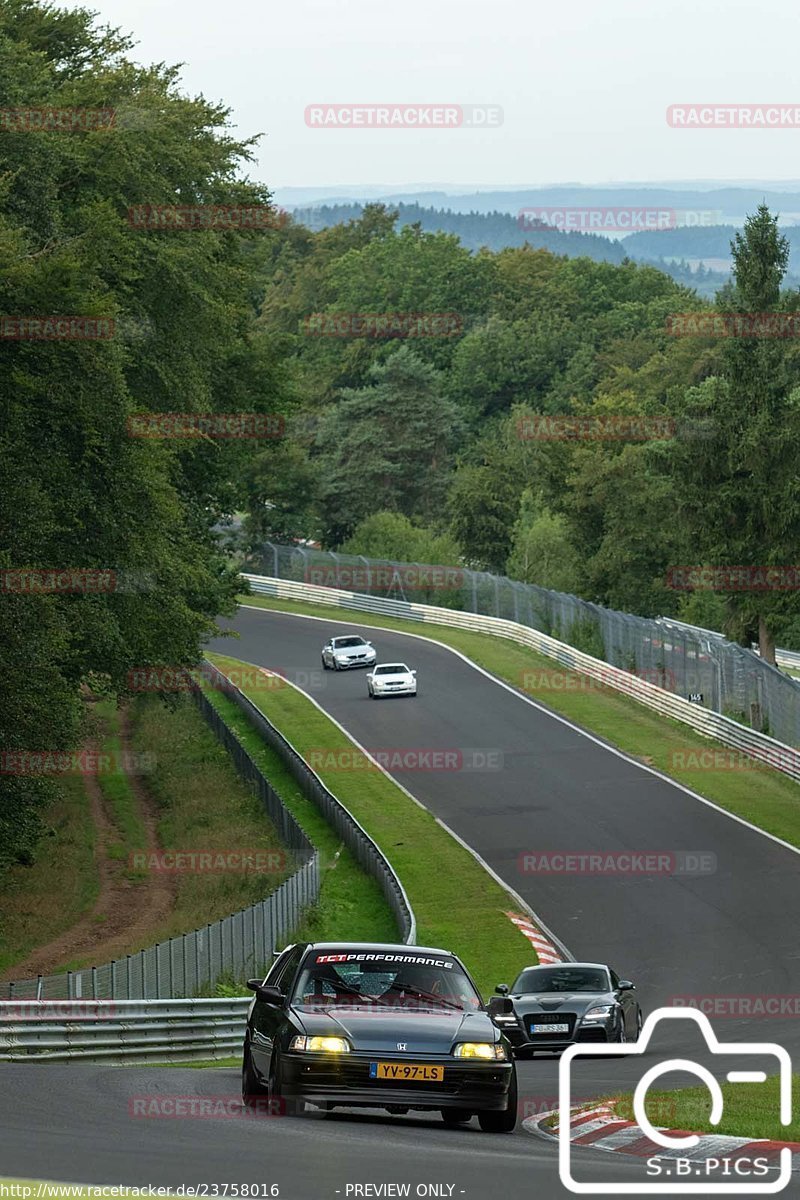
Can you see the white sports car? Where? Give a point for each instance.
(340, 653)
(391, 679)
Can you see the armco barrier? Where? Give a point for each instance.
(711, 724)
(121, 1031)
(354, 836)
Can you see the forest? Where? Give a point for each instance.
(394, 383)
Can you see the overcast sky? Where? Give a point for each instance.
(584, 85)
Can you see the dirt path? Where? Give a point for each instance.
(126, 913)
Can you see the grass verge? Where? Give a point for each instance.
(350, 903)
(204, 806)
(115, 785)
(750, 1110)
(759, 794)
(37, 903)
(458, 905)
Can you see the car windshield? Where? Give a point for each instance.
(563, 979)
(392, 669)
(341, 643)
(387, 979)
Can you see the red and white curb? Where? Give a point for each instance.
(548, 955)
(601, 1129)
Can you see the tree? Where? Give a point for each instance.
(78, 491)
(737, 484)
(393, 536)
(386, 446)
(541, 550)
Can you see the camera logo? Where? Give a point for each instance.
(694, 1184)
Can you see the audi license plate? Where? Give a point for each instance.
(414, 1072)
(549, 1028)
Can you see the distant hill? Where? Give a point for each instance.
(711, 242)
(731, 203)
(497, 230)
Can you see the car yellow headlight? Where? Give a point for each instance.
(490, 1050)
(327, 1045)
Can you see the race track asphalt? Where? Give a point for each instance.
(728, 933)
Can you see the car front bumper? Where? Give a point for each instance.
(522, 1043)
(408, 690)
(347, 664)
(344, 1079)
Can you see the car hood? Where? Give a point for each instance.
(394, 677)
(554, 1002)
(423, 1030)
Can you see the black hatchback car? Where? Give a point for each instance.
(550, 1008)
(379, 1026)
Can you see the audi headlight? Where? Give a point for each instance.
(599, 1012)
(486, 1050)
(325, 1045)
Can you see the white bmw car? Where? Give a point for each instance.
(391, 679)
(341, 653)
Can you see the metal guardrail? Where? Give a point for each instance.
(124, 1031)
(711, 724)
(696, 664)
(788, 659)
(367, 853)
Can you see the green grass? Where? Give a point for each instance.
(120, 799)
(458, 905)
(761, 795)
(750, 1110)
(39, 902)
(350, 903)
(204, 805)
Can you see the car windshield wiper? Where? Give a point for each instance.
(412, 991)
(350, 991)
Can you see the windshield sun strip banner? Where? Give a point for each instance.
(418, 960)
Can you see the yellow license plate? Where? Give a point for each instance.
(406, 1072)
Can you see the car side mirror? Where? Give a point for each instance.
(499, 1005)
(265, 992)
(625, 985)
(413, 672)
(502, 989)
